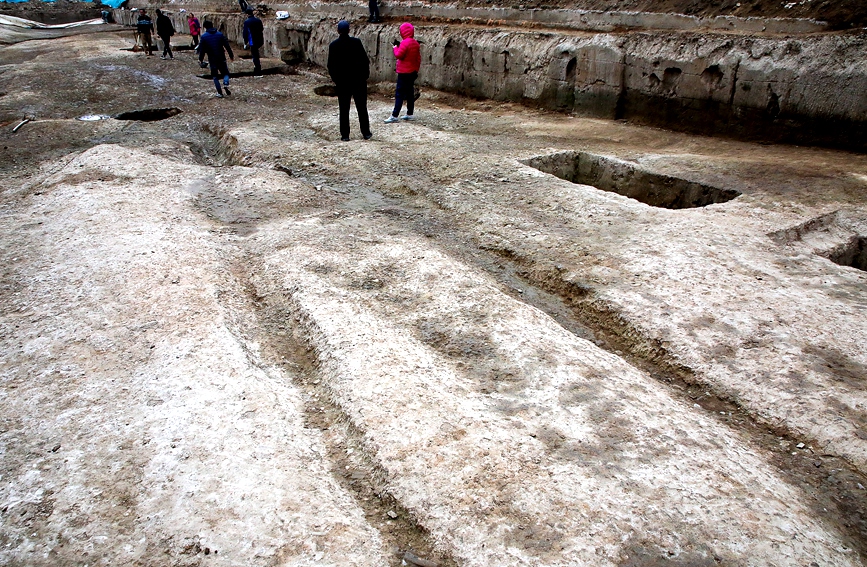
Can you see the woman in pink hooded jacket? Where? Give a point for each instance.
(408, 61)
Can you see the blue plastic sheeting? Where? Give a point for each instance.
(113, 3)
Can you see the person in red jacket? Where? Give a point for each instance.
(195, 28)
(408, 57)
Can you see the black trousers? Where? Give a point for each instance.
(404, 91)
(254, 53)
(345, 94)
(167, 45)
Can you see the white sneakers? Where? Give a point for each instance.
(393, 119)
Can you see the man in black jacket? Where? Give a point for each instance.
(165, 30)
(212, 44)
(254, 37)
(349, 69)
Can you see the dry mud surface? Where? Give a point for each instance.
(229, 338)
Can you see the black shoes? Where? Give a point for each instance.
(226, 88)
(344, 138)
(368, 136)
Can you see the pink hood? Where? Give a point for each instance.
(408, 53)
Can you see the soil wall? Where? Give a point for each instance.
(804, 89)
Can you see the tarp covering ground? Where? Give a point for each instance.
(25, 23)
(111, 3)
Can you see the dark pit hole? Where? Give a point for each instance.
(629, 180)
(149, 114)
(325, 90)
(852, 254)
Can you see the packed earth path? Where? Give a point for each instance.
(490, 336)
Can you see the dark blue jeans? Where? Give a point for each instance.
(221, 69)
(167, 45)
(404, 92)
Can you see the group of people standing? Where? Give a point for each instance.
(349, 68)
(348, 63)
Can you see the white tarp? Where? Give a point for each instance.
(24, 23)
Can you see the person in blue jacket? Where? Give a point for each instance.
(254, 37)
(212, 44)
(145, 27)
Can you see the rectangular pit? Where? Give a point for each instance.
(852, 254)
(630, 180)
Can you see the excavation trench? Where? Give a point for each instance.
(852, 254)
(833, 485)
(630, 180)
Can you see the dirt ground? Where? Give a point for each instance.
(229, 337)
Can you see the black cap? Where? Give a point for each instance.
(249, 11)
(342, 26)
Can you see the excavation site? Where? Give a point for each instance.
(594, 293)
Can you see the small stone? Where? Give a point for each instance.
(391, 514)
(800, 445)
(413, 559)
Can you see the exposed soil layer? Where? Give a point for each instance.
(231, 338)
(841, 14)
